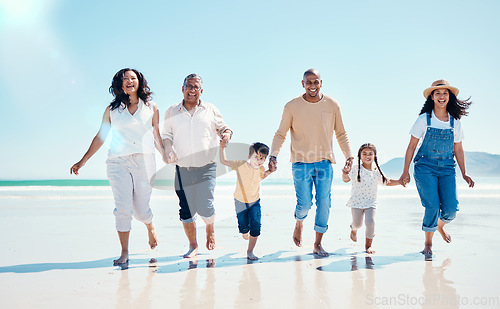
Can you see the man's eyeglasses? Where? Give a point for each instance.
(189, 87)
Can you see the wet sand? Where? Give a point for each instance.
(57, 250)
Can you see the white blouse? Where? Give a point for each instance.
(132, 133)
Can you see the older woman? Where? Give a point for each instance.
(134, 119)
(440, 131)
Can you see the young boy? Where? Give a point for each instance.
(246, 196)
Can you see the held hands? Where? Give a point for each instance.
(273, 164)
(404, 179)
(347, 166)
(170, 157)
(225, 137)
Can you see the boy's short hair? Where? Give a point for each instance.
(258, 148)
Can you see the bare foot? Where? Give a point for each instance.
(192, 252)
(353, 235)
(446, 236)
(153, 263)
(122, 259)
(210, 236)
(153, 240)
(368, 245)
(297, 234)
(427, 249)
(318, 250)
(245, 236)
(252, 256)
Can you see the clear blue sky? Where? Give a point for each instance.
(57, 59)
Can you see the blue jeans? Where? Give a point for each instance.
(319, 174)
(248, 215)
(436, 185)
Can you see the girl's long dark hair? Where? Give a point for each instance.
(144, 93)
(455, 107)
(372, 147)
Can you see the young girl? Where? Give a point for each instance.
(363, 201)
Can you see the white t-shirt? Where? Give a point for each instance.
(364, 193)
(420, 126)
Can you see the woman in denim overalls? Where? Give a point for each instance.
(440, 127)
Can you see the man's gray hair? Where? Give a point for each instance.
(192, 76)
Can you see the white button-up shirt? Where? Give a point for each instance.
(194, 137)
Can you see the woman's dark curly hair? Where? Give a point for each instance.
(144, 93)
(455, 107)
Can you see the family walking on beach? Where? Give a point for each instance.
(193, 130)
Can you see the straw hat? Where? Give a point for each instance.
(440, 84)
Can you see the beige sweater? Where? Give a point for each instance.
(311, 128)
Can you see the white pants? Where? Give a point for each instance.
(357, 220)
(131, 179)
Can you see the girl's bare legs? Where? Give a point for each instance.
(251, 245)
(123, 236)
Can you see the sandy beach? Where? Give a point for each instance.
(57, 247)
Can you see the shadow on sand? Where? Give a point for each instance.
(103, 263)
(347, 262)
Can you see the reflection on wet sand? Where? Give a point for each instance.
(191, 295)
(249, 291)
(321, 289)
(124, 295)
(438, 291)
(362, 285)
(299, 283)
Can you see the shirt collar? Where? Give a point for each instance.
(180, 106)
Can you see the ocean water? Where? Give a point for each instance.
(277, 198)
(485, 187)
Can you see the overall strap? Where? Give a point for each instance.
(452, 122)
(428, 119)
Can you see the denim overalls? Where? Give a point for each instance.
(435, 176)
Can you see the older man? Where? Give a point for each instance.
(312, 118)
(190, 134)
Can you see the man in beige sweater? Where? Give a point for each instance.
(312, 118)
